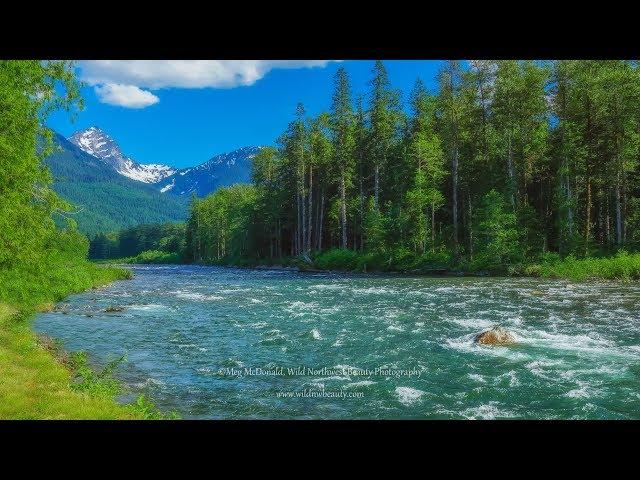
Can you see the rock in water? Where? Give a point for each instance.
(112, 309)
(495, 336)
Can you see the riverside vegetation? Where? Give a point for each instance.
(41, 263)
(508, 167)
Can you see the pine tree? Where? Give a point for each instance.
(450, 110)
(383, 116)
(342, 129)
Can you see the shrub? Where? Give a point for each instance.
(623, 266)
(337, 259)
(153, 256)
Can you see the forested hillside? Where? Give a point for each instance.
(102, 199)
(504, 163)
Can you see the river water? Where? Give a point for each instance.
(212, 342)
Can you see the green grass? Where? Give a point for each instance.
(37, 379)
(396, 260)
(623, 266)
(149, 256)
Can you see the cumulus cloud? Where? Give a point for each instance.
(128, 96)
(156, 74)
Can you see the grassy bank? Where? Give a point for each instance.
(148, 256)
(622, 266)
(37, 379)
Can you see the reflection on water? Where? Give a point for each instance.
(190, 332)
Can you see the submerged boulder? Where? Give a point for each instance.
(112, 309)
(495, 336)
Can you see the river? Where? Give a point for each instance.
(222, 343)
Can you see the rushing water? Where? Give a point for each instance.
(216, 343)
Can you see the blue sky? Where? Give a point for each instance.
(188, 117)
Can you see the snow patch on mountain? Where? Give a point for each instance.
(169, 186)
(97, 143)
(221, 170)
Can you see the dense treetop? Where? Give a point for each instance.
(503, 163)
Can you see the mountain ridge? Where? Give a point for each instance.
(112, 191)
(221, 170)
(106, 200)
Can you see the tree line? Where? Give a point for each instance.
(165, 237)
(504, 162)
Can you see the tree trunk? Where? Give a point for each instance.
(343, 210)
(587, 227)
(433, 227)
(303, 239)
(321, 219)
(570, 209)
(376, 188)
(600, 222)
(455, 200)
(618, 212)
(361, 209)
(309, 229)
(279, 240)
(470, 227)
(512, 175)
(297, 227)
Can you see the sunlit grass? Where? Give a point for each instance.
(623, 266)
(148, 256)
(34, 384)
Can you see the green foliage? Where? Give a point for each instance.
(622, 266)
(219, 224)
(395, 260)
(498, 239)
(375, 230)
(62, 271)
(507, 160)
(167, 237)
(144, 408)
(337, 259)
(29, 90)
(152, 256)
(86, 379)
(103, 200)
(100, 207)
(103, 384)
(40, 263)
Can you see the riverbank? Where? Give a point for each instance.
(623, 266)
(37, 379)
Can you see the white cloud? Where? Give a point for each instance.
(156, 74)
(128, 96)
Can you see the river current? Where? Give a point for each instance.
(213, 342)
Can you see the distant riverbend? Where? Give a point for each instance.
(212, 342)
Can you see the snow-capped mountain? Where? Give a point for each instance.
(106, 200)
(219, 171)
(97, 143)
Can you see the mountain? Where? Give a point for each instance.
(105, 199)
(219, 171)
(97, 143)
(112, 191)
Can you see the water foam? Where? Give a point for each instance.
(408, 396)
